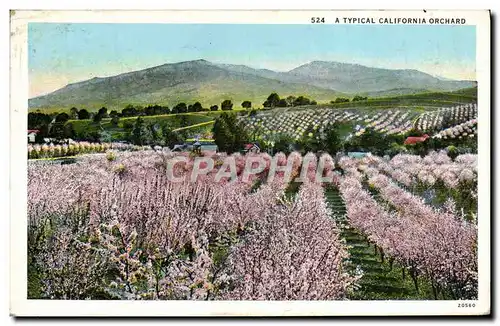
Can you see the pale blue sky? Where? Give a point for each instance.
(63, 53)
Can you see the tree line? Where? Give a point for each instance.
(150, 110)
(274, 100)
(345, 99)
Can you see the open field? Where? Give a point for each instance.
(424, 101)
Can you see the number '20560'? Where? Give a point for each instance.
(466, 305)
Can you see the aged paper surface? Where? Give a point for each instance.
(260, 163)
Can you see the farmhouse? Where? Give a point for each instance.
(32, 135)
(414, 140)
(251, 148)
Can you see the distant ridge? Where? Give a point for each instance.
(210, 83)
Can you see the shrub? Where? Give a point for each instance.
(110, 156)
(120, 169)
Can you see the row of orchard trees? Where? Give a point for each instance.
(46, 151)
(231, 134)
(437, 243)
(120, 229)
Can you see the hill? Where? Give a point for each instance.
(419, 101)
(170, 84)
(354, 78)
(209, 83)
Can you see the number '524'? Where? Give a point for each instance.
(317, 20)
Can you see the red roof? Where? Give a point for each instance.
(414, 140)
(248, 146)
(33, 131)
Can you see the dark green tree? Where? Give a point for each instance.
(414, 133)
(83, 114)
(359, 98)
(180, 108)
(373, 141)
(103, 112)
(301, 100)
(246, 104)
(149, 110)
(97, 117)
(290, 100)
(155, 133)
(57, 130)
(197, 107)
(69, 131)
(282, 103)
(170, 138)
(340, 100)
(165, 110)
(272, 100)
(129, 111)
(309, 142)
(128, 125)
(229, 133)
(115, 119)
(226, 105)
(39, 121)
(283, 143)
(140, 132)
(214, 108)
(62, 117)
(332, 142)
(73, 113)
(183, 121)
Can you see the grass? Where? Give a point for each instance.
(201, 139)
(192, 121)
(175, 121)
(196, 125)
(54, 158)
(422, 100)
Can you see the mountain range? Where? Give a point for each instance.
(211, 83)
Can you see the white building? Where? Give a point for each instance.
(32, 135)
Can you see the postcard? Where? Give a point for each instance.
(250, 163)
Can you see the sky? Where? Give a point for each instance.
(60, 54)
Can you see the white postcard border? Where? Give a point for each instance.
(21, 306)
